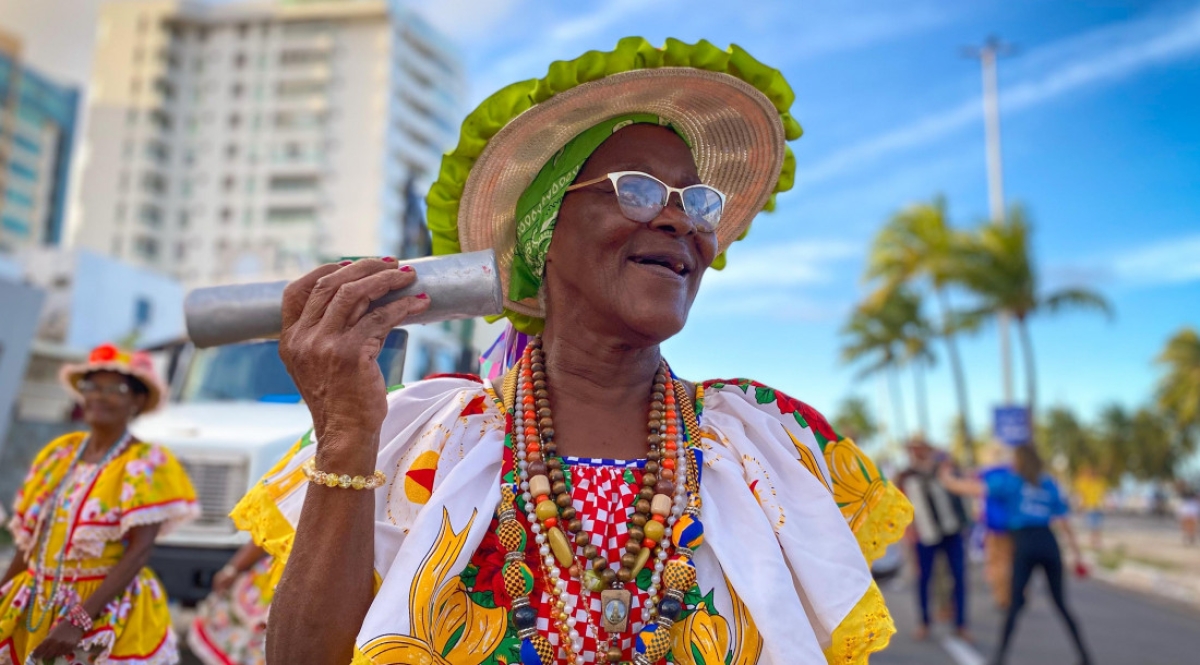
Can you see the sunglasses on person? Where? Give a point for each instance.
(642, 197)
(89, 388)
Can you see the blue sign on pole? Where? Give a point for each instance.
(1012, 426)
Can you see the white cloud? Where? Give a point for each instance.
(467, 20)
(1106, 55)
(1172, 261)
(795, 263)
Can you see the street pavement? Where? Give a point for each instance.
(1120, 627)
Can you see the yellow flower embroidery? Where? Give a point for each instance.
(441, 611)
(704, 639)
(857, 484)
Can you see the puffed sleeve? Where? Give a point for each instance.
(155, 490)
(429, 428)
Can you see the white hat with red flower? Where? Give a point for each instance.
(110, 358)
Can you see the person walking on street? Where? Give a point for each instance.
(1034, 502)
(1090, 489)
(85, 520)
(1189, 514)
(937, 527)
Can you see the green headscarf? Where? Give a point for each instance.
(537, 209)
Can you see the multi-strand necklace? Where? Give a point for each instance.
(665, 515)
(45, 525)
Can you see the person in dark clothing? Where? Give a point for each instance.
(1033, 503)
(938, 523)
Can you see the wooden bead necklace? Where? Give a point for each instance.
(665, 513)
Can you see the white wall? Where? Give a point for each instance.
(105, 299)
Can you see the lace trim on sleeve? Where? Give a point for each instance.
(866, 630)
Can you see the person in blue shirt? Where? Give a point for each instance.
(1032, 502)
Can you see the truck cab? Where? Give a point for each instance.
(234, 413)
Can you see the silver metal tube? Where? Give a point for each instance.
(460, 286)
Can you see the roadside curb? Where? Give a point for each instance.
(1149, 580)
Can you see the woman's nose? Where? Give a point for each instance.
(672, 218)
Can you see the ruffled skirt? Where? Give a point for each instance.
(134, 629)
(231, 628)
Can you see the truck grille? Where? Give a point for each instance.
(219, 486)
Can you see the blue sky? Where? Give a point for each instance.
(1100, 142)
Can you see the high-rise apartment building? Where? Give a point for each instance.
(37, 126)
(251, 140)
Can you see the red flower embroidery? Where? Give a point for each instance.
(815, 420)
(489, 559)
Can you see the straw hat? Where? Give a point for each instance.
(109, 358)
(732, 109)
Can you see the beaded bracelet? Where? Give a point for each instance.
(79, 617)
(343, 481)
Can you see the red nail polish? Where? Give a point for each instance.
(344, 263)
(387, 259)
(406, 269)
(423, 296)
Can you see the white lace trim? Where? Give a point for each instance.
(166, 654)
(89, 539)
(22, 537)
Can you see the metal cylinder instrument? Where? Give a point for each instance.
(459, 286)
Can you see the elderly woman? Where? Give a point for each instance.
(85, 521)
(591, 506)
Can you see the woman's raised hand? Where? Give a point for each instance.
(329, 345)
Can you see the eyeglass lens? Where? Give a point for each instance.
(641, 199)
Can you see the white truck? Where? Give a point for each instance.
(234, 412)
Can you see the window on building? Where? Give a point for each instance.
(229, 182)
(243, 29)
(226, 215)
(127, 149)
(161, 120)
(291, 214)
(235, 120)
(202, 34)
(146, 248)
(239, 60)
(119, 213)
(150, 215)
(303, 57)
(131, 117)
(300, 88)
(247, 217)
(181, 251)
(293, 183)
(236, 90)
(183, 219)
(154, 183)
(115, 248)
(142, 311)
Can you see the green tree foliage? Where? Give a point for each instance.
(1000, 273)
(918, 245)
(855, 420)
(1178, 397)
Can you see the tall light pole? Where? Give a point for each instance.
(992, 48)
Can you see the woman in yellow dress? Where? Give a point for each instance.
(85, 521)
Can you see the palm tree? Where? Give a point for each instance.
(885, 335)
(855, 421)
(917, 243)
(1179, 390)
(999, 270)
